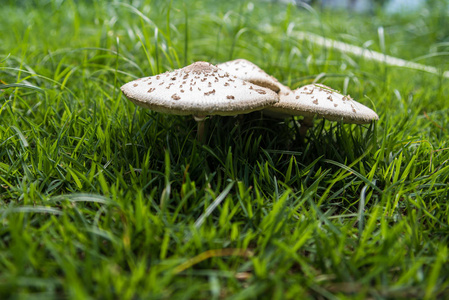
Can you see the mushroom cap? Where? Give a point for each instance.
(246, 70)
(198, 89)
(320, 100)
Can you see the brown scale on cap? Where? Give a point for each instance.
(260, 91)
(151, 90)
(182, 91)
(138, 79)
(210, 93)
(330, 98)
(226, 84)
(158, 77)
(297, 97)
(135, 84)
(149, 83)
(230, 97)
(315, 101)
(175, 97)
(161, 83)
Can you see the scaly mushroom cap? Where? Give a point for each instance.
(246, 70)
(198, 89)
(320, 100)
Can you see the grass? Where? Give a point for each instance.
(101, 199)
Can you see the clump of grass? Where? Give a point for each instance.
(101, 199)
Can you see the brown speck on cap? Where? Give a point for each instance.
(297, 97)
(209, 84)
(151, 90)
(209, 93)
(175, 97)
(230, 97)
(135, 84)
(149, 83)
(158, 77)
(173, 78)
(182, 91)
(226, 84)
(260, 91)
(330, 98)
(335, 104)
(161, 83)
(315, 101)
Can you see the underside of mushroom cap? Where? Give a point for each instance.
(246, 70)
(198, 89)
(322, 101)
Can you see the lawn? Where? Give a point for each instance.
(102, 199)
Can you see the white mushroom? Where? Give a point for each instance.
(248, 71)
(199, 89)
(322, 101)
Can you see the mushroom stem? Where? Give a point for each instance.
(201, 122)
(306, 123)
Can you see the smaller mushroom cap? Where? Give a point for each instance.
(323, 101)
(246, 70)
(198, 89)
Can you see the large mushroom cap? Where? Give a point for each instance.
(198, 89)
(246, 70)
(320, 100)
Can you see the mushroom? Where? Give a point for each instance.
(322, 101)
(199, 89)
(250, 72)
